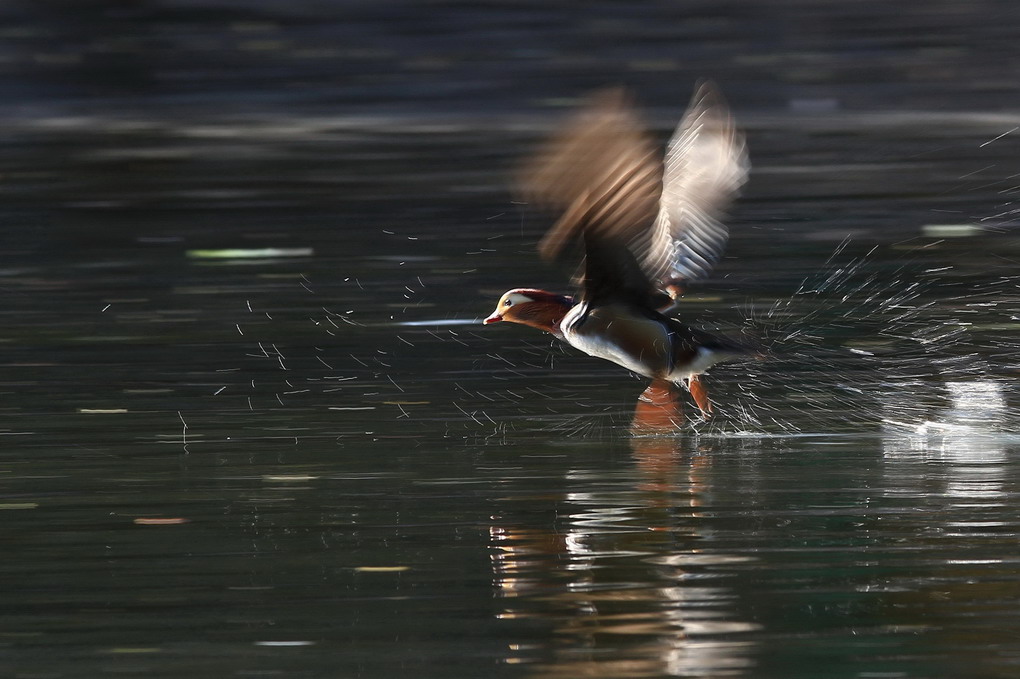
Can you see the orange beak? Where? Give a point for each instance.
(494, 318)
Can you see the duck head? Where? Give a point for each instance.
(537, 308)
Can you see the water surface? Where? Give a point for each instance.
(251, 425)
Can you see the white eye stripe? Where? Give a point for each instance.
(516, 298)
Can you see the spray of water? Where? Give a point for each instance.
(863, 342)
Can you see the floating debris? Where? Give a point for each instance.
(254, 253)
(951, 230)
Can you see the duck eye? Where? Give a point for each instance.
(508, 303)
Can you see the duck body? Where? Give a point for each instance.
(645, 341)
(622, 334)
(640, 339)
(647, 228)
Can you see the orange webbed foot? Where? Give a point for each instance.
(700, 395)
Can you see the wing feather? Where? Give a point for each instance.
(705, 166)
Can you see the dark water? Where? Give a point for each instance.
(250, 425)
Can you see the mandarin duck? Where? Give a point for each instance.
(647, 227)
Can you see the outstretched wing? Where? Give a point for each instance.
(645, 225)
(706, 164)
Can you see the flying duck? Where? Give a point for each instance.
(647, 227)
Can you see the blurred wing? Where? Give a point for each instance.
(602, 173)
(644, 223)
(706, 164)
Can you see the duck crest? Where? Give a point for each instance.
(536, 295)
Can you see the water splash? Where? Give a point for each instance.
(860, 344)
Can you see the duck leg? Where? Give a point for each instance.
(700, 395)
(659, 409)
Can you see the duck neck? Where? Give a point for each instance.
(548, 316)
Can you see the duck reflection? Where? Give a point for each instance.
(659, 410)
(623, 572)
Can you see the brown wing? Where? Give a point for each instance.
(602, 172)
